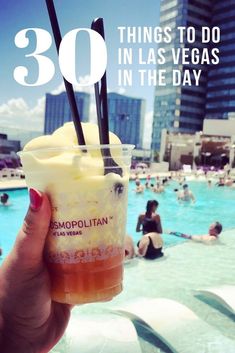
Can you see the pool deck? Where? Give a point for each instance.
(185, 268)
(12, 184)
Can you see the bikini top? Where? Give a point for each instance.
(149, 225)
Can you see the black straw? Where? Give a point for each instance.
(68, 85)
(101, 93)
(102, 112)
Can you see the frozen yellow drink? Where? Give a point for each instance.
(84, 247)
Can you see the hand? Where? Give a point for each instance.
(31, 322)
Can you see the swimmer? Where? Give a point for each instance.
(157, 179)
(177, 192)
(186, 194)
(165, 182)
(139, 187)
(4, 199)
(209, 183)
(148, 182)
(147, 185)
(158, 188)
(213, 234)
(228, 182)
(221, 182)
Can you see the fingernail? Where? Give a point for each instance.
(35, 199)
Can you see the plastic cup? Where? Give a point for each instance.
(84, 249)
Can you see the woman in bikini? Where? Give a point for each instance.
(150, 245)
(149, 221)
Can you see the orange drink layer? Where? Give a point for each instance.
(84, 246)
(100, 280)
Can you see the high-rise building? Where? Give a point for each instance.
(220, 102)
(126, 118)
(57, 111)
(181, 108)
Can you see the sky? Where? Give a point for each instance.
(23, 106)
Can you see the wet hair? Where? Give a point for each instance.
(175, 190)
(4, 198)
(185, 186)
(218, 227)
(149, 207)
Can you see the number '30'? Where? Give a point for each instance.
(46, 68)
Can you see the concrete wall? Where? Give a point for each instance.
(219, 127)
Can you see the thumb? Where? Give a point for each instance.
(31, 238)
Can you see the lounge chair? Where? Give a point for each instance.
(225, 295)
(106, 333)
(177, 326)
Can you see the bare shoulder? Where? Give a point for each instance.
(141, 216)
(156, 217)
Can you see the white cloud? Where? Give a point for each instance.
(13, 106)
(148, 121)
(16, 113)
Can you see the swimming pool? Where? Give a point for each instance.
(184, 268)
(212, 204)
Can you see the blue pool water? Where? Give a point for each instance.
(212, 204)
(11, 218)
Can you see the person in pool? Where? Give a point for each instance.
(213, 234)
(4, 199)
(186, 194)
(221, 182)
(149, 221)
(139, 187)
(158, 188)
